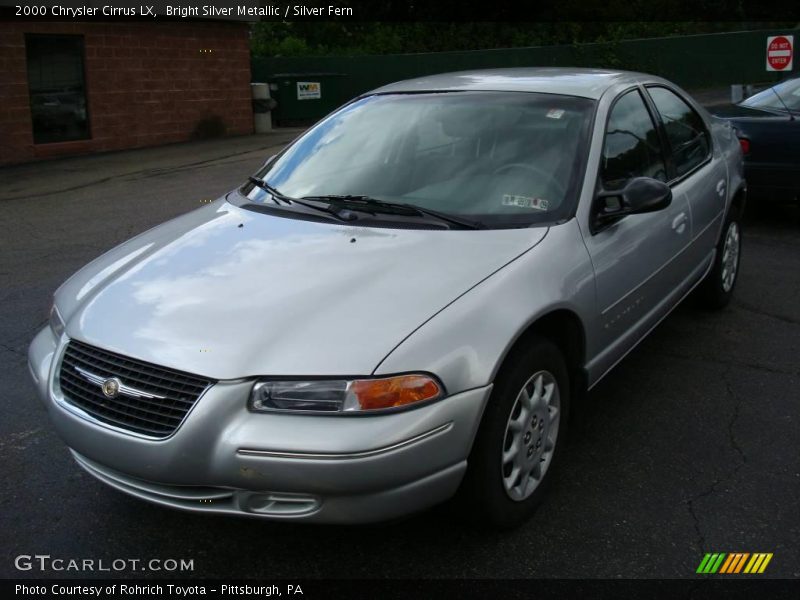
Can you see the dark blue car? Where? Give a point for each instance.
(768, 127)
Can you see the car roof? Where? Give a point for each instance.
(587, 83)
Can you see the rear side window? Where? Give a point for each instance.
(632, 147)
(687, 134)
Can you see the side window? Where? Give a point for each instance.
(686, 132)
(632, 147)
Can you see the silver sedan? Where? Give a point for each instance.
(400, 307)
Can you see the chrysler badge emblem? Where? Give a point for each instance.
(111, 387)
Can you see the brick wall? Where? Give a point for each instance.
(146, 83)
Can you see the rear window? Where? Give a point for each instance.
(688, 137)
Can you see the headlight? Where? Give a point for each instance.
(342, 395)
(56, 322)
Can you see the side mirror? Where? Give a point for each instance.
(639, 195)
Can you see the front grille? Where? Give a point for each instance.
(151, 416)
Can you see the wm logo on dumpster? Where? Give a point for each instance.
(309, 90)
(734, 563)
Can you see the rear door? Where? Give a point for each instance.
(696, 170)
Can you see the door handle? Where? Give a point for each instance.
(679, 223)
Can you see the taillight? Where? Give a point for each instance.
(745, 144)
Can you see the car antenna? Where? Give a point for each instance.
(790, 113)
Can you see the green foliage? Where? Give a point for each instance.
(337, 38)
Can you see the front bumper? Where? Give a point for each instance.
(225, 459)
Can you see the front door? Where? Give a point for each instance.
(634, 258)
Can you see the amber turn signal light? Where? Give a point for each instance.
(391, 392)
(343, 395)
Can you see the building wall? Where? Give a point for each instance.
(146, 83)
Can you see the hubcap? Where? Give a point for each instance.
(730, 257)
(531, 434)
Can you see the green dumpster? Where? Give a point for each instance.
(304, 98)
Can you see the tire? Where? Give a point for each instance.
(716, 290)
(488, 495)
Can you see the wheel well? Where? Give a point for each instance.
(738, 202)
(564, 329)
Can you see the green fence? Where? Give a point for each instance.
(694, 62)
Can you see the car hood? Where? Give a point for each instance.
(228, 293)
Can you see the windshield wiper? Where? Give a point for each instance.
(281, 197)
(276, 195)
(369, 204)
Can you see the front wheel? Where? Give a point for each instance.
(716, 290)
(520, 437)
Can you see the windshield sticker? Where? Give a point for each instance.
(555, 113)
(525, 202)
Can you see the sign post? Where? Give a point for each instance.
(780, 52)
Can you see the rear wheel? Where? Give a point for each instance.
(520, 437)
(716, 290)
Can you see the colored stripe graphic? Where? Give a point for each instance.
(726, 565)
(717, 563)
(711, 563)
(765, 563)
(758, 563)
(734, 562)
(740, 564)
(754, 563)
(703, 563)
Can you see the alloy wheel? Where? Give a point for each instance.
(730, 256)
(531, 433)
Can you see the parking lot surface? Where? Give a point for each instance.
(691, 445)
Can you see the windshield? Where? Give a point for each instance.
(502, 158)
(789, 92)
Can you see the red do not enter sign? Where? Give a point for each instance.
(780, 52)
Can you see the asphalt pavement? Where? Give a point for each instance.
(691, 445)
